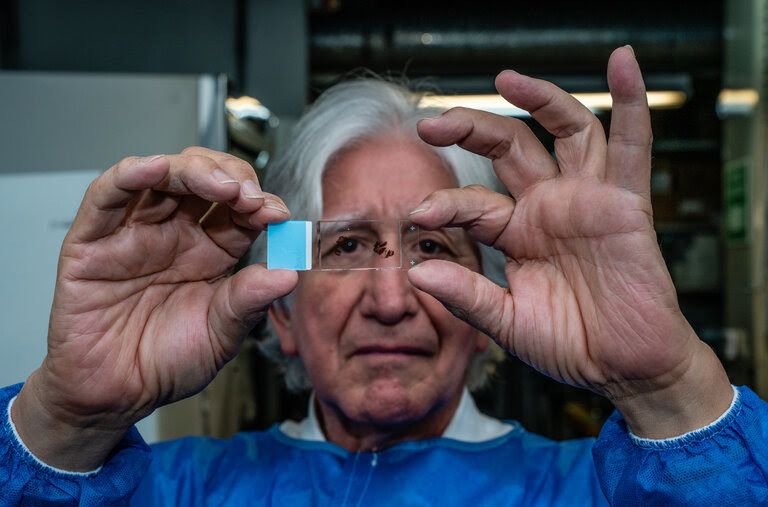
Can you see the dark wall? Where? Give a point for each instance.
(259, 45)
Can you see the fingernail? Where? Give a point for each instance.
(251, 190)
(149, 160)
(422, 208)
(272, 204)
(223, 177)
(631, 49)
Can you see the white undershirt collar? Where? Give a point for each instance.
(468, 424)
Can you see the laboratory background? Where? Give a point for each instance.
(86, 83)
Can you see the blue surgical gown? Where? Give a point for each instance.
(723, 464)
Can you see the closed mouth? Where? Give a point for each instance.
(405, 350)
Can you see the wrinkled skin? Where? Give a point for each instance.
(590, 301)
(144, 312)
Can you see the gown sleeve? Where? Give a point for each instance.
(725, 463)
(25, 480)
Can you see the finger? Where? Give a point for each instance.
(194, 210)
(519, 159)
(242, 300)
(152, 207)
(159, 204)
(190, 174)
(629, 145)
(105, 202)
(483, 213)
(272, 211)
(251, 200)
(235, 232)
(225, 228)
(104, 205)
(468, 295)
(580, 139)
(251, 194)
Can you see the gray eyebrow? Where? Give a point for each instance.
(354, 215)
(335, 225)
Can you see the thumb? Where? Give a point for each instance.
(242, 300)
(468, 295)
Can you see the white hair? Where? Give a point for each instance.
(346, 115)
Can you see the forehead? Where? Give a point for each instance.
(383, 178)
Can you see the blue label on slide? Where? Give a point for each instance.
(289, 245)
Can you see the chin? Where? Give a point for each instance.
(387, 403)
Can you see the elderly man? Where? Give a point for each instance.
(145, 314)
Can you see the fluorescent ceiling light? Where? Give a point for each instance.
(491, 103)
(594, 101)
(737, 101)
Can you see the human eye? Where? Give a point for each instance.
(357, 244)
(345, 245)
(431, 247)
(434, 248)
(344, 250)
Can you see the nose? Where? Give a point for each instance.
(389, 297)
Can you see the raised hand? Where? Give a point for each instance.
(590, 301)
(144, 311)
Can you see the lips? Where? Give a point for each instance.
(401, 350)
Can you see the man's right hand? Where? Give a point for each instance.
(144, 311)
(589, 300)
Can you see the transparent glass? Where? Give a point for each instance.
(344, 245)
(360, 244)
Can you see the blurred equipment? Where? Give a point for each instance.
(251, 128)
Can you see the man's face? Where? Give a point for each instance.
(378, 351)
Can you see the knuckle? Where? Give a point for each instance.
(588, 123)
(199, 162)
(499, 150)
(476, 187)
(93, 187)
(237, 165)
(125, 163)
(434, 196)
(457, 110)
(191, 150)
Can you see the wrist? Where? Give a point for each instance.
(694, 399)
(698, 434)
(59, 441)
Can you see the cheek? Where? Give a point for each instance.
(456, 336)
(318, 293)
(322, 306)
